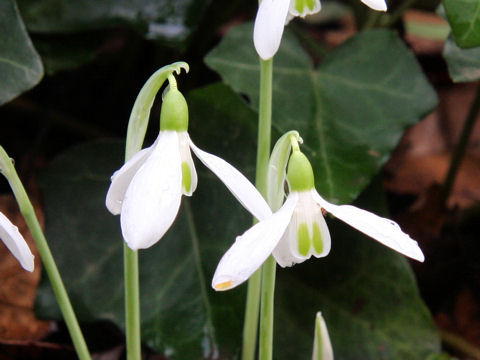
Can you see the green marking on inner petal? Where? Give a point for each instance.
(299, 5)
(303, 240)
(317, 238)
(186, 177)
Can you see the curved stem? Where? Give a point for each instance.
(461, 147)
(28, 212)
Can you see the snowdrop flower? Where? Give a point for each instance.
(273, 15)
(322, 347)
(298, 230)
(147, 190)
(15, 242)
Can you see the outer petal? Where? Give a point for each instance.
(252, 248)
(379, 5)
(121, 179)
(236, 182)
(16, 243)
(153, 197)
(269, 24)
(381, 229)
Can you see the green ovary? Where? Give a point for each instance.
(317, 238)
(186, 177)
(303, 240)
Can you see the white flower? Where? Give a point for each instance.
(298, 230)
(273, 15)
(147, 190)
(16, 243)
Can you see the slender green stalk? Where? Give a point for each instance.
(132, 285)
(132, 303)
(263, 154)
(461, 146)
(266, 309)
(28, 212)
(264, 125)
(251, 316)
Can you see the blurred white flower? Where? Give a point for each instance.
(273, 15)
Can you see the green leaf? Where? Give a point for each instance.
(20, 66)
(155, 19)
(350, 112)
(366, 293)
(463, 64)
(464, 18)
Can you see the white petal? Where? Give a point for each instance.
(379, 5)
(321, 341)
(16, 243)
(306, 11)
(269, 24)
(153, 197)
(252, 248)
(236, 182)
(187, 162)
(381, 229)
(121, 179)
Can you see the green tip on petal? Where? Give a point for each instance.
(186, 177)
(317, 238)
(303, 240)
(300, 5)
(174, 114)
(300, 172)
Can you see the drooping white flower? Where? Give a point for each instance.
(147, 190)
(273, 15)
(298, 230)
(15, 242)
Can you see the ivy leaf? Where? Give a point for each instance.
(464, 18)
(351, 111)
(20, 66)
(463, 64)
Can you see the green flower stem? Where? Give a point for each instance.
(461, 147)
(266, 310)
(251, 316)
(132, 303)
(132, 283)
(28, 212)
(263, 154)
